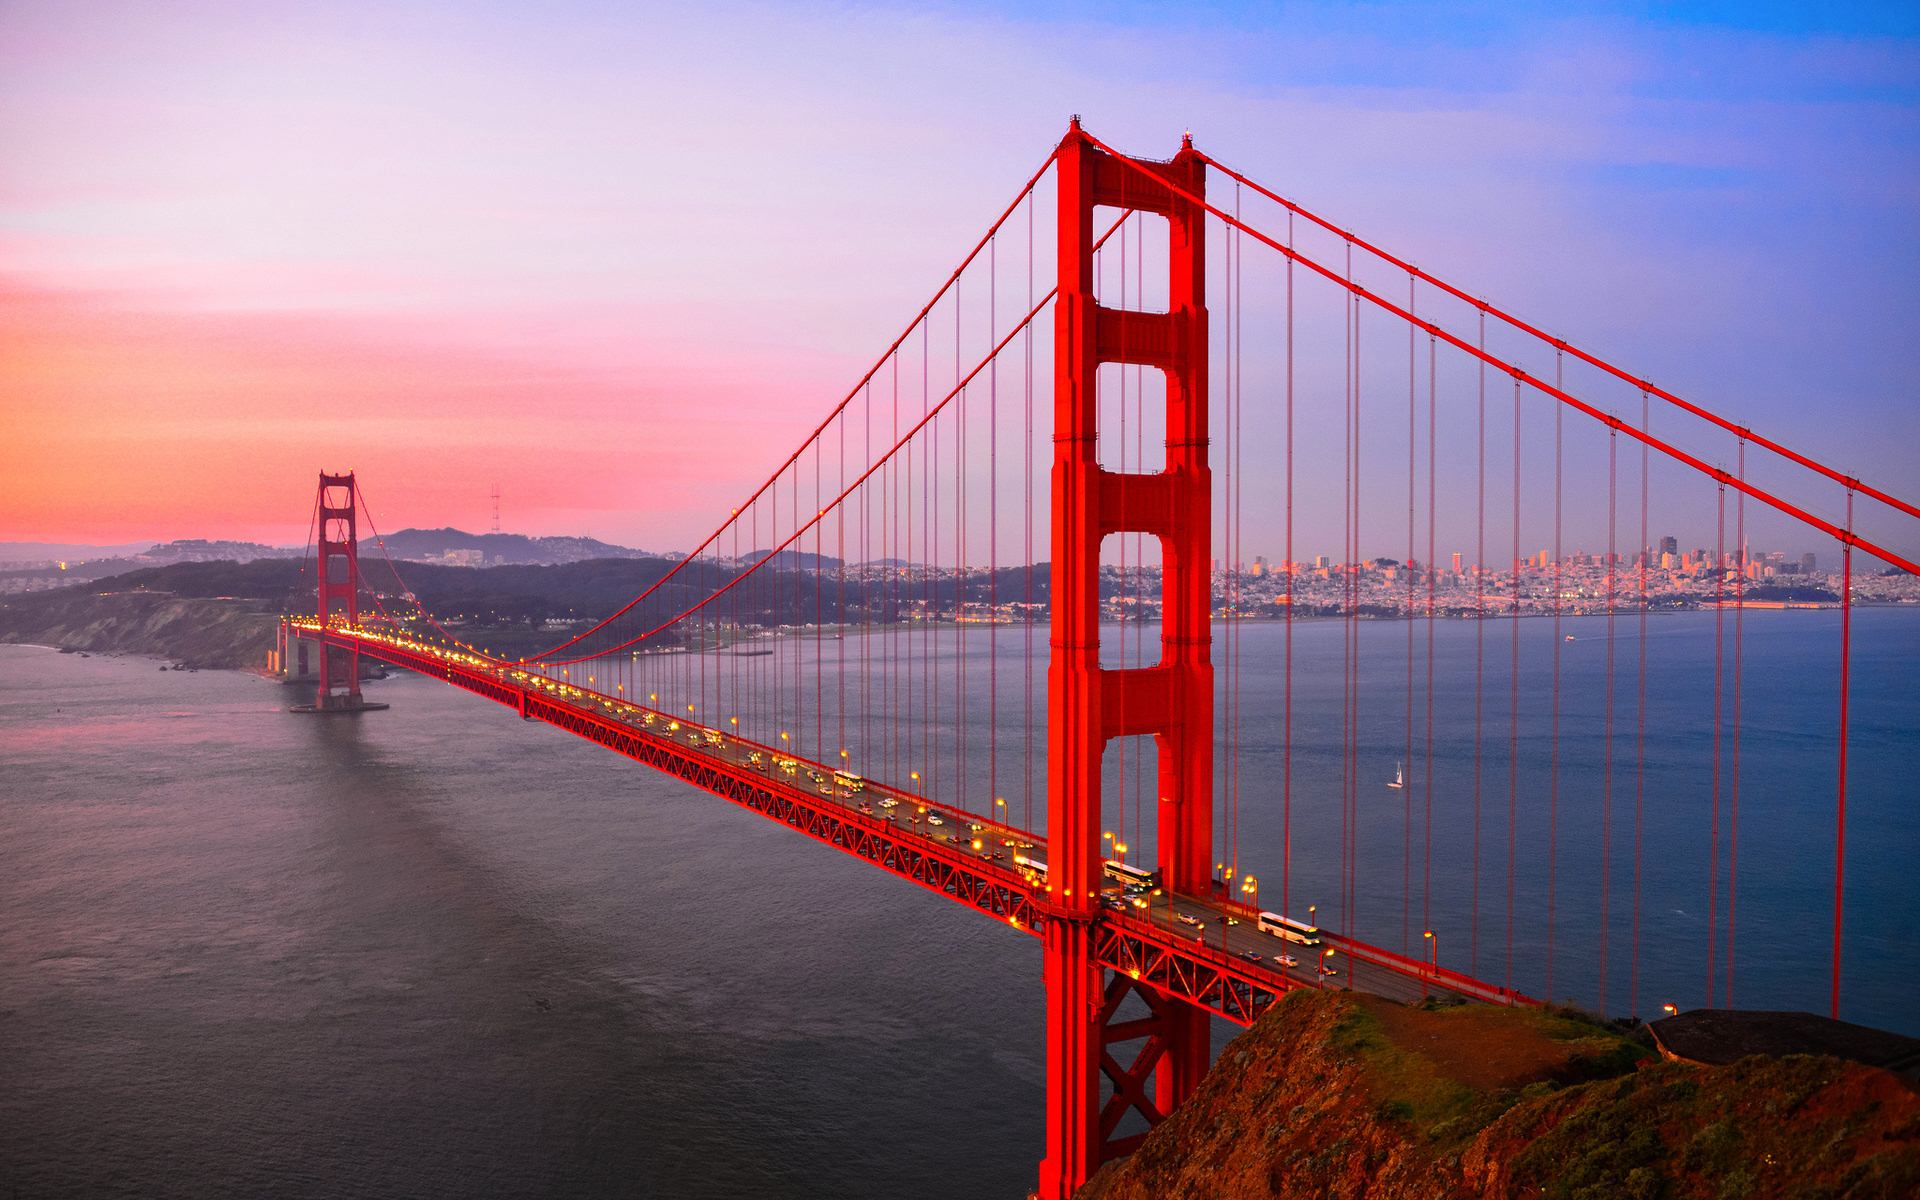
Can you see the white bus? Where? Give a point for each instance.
(1288, 928)
(1128, 876)
(1030, 864)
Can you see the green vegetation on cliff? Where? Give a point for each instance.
(1336, 1095)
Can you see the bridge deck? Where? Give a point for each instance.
(1200, 949)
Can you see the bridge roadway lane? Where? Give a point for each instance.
(1357, 965)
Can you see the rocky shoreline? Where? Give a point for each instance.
(193, 633)
(1331, 1094)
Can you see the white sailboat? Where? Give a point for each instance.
(1399, 775)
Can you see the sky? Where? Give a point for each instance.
(618, 258)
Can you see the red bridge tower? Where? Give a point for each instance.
(339, 576)
(1088, 706)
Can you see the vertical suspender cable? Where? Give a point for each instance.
(1553, 749)
(1433, 571)
(1406, 793)
(1840, 774)
(1606, 766)
(1733, 773)
(1719, 624)
(1513, 692)
(993, 540)
(1027, 763)
(1286, 710)
(1640, 723)
(1479, 654)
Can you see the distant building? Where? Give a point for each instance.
(1669, 545)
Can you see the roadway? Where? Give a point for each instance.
(1179, 919)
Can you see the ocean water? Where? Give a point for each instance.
(438, 951)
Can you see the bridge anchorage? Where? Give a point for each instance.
(808, 661)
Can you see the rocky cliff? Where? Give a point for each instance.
(195, 632)
(1335, 1095)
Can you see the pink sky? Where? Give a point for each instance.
(452, 245)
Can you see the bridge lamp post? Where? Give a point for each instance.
(1312, 909)
(1326, 968)
(1670, 1009)
(1433, 958)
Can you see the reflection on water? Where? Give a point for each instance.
(249, 953)
(439, 951)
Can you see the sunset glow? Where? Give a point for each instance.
(245, 242)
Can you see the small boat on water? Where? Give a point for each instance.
(1399, 775)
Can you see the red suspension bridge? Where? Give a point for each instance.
(1200, 745)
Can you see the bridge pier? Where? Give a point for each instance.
(1089, 706)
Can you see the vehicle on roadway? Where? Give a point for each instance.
(1286, 960)
(1298, 932)
(1030, 864)
(1129, 876)
(1251, 955)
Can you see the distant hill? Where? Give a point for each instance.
(202, 550)
(457, 547)
(23, 552)
(794, 560)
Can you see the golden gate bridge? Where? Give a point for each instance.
(855, 650)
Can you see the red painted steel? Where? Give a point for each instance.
(338, 542)
(1089, 706)
(1845, 537)
(1200, 977)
